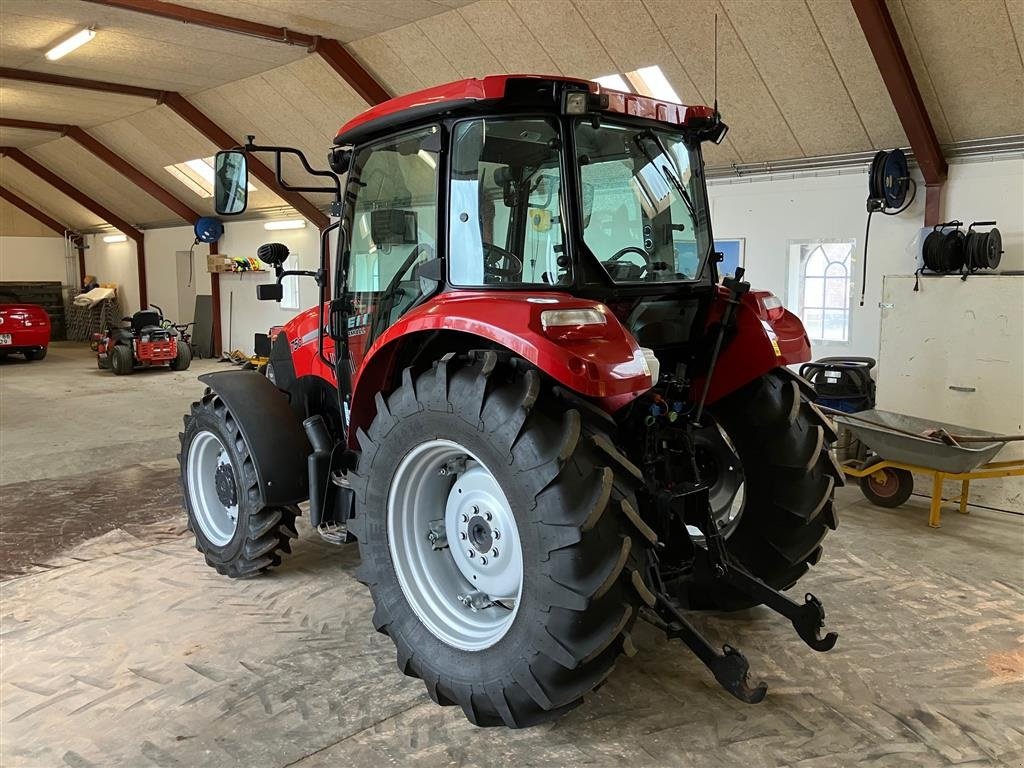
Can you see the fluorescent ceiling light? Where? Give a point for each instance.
(197, 175)
(77, 40)
(614, 82)
(115, 238)
(285, 224)
(651, 81)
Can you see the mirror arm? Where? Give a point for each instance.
(335, 186)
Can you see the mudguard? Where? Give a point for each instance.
(274, 435)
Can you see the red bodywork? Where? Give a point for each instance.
(157, 352)
(608, 367)
(27, 325)
(493, 88)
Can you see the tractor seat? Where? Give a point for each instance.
(146, 321)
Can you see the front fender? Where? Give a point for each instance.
(610, 368)
(273, 433)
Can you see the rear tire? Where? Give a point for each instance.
(35, 354)
(122, 360)
(580, 540)
(790, 478)
(238, 536)
(889, 487)
(183, 359)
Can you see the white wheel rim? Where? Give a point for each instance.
(208, 463)
(468, 601)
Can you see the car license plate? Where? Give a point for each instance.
(5, 338)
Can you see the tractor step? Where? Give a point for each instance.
(334, 533)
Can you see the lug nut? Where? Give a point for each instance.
(494, 552)
(464, 518)
(483, 560)
(476, 510)
(487, 516)
(462, 535)
(496, 534)
(470, 553)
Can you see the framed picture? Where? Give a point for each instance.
(733, 252)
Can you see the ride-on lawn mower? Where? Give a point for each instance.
(143, 340)
(528, 399)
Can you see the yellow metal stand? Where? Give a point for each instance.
(1013, 468)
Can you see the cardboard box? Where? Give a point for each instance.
(219, 263)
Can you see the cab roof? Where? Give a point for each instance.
(396, 113)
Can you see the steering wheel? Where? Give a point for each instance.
(631, 249)
(494, 255)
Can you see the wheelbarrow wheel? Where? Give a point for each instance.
(888, 487)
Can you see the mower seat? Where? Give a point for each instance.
(146, 321)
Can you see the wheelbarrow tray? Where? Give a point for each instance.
(919, 451)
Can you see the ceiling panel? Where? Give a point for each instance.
(794, 63)
(468, 54)
(924, 81)
(565, 37)
(508, 39)
(30, 187)
(757, 128)
(974, 65)
(14, 222)
(345, 20)
(83, 170)
(386, 65)
(856, 65)
(49, 104)
(132, 47)
(18, 137)
(420, 54)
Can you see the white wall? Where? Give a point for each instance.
(769, 213)
(115, 263)
(33, 258)
(241, 314)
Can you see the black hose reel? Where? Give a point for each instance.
(889, 180)
(947, 248)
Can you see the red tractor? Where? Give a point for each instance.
(145, 339)
(528, 399)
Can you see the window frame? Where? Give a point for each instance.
(563, 207)
(798, 283)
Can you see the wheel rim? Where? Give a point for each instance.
(212, 488)
(884, 483)
(443, 505)
(721, 468)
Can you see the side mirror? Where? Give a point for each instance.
(230, 182)
(273, 254)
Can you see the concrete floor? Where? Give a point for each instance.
(120, 647)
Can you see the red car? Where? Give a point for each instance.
(24, 328)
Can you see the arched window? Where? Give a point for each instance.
(825, 285)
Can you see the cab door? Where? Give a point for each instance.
(392, 229)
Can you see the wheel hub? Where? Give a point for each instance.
(224, 482)
(479, 534)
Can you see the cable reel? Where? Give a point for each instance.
(983, 250)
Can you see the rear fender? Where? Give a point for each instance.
(609, 368)
(277, 442)
(764, 338)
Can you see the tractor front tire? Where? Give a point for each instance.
(122, 359)
(237, 534)
(790, 477)
(183, 359)
(564, 500)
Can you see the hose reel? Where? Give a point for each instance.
(889, 180)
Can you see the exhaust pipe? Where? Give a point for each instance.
(319, 464)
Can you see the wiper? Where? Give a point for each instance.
(666, 169)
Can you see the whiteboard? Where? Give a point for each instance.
(954, 352)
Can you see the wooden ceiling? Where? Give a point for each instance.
(795, 77)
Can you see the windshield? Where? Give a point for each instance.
(643, 203)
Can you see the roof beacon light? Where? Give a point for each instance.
(74, 42)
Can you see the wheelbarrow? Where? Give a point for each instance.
(899, 445)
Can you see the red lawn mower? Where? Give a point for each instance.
(145, 339)
(528, 398)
